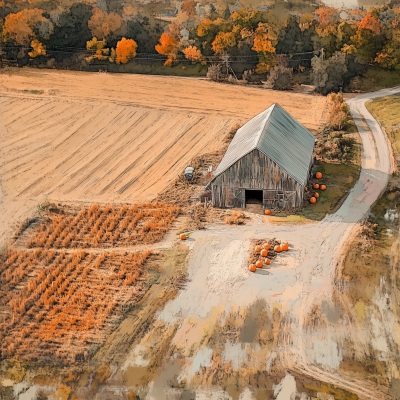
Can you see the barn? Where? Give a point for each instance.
(268, 160)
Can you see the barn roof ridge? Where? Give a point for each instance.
(278, 136)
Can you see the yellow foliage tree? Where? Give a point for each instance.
(204, 27)
(263, 45)
(98, 47)
(126, 49)
(38, 49)
(222, 41)
(101, 24)
(349, 49)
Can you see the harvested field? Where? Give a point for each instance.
(103, 227)
(174, 94)
(56, 305)
(113, 138)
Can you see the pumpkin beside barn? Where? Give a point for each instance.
(269, 159)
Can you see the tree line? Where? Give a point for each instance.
(334, 46)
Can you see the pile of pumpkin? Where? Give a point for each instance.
(316, 186)
(265, 251)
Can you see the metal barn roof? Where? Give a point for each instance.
(279, 136)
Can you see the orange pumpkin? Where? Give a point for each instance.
(322, 187)
(259, 264)
(267, 261)
(285, 247)
(318, 175)
(252, 267)
(313, 200)
(278, 249)
(183, 236)
(267, 212)
(306, 188)
(258, 248)
(264, 253)
(267, 246)
(316, 186)
(316, 195)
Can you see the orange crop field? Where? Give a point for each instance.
(58, 304)
(105, 226)
(64, 288)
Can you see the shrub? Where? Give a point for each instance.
(279, 78)
(214, 73)
(338, 111)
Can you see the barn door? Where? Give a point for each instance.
(234, 197)
(240, 198)
(269, 198)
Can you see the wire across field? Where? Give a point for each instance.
(105, 227)
(56, 304)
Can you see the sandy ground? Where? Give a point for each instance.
(114, 138)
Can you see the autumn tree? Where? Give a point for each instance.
(192, 53)
(102, 24)
(263, 45)
(168, 46)
(223, 41)
(38, 49)
(126, 49)
(327, 16)
(21, 27)
(98, 47)
(389, 56)
(367, 39)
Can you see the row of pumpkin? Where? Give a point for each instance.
(316, 186)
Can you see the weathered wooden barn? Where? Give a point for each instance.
(269, 159)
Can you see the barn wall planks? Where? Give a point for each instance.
(256, 171)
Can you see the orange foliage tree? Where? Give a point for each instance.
(169, 47)
(102, 24)
(326, 16)
(371, 23)
(38, 49)
(192, 53)
(126, 49)
(19, 26)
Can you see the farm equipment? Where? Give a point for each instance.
(188, 173)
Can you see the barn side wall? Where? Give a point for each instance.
(256, 171)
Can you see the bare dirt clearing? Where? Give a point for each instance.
(76, 136)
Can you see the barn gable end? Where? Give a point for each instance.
(271, 153)
(255, 171)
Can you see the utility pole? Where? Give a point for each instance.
(225, 57)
